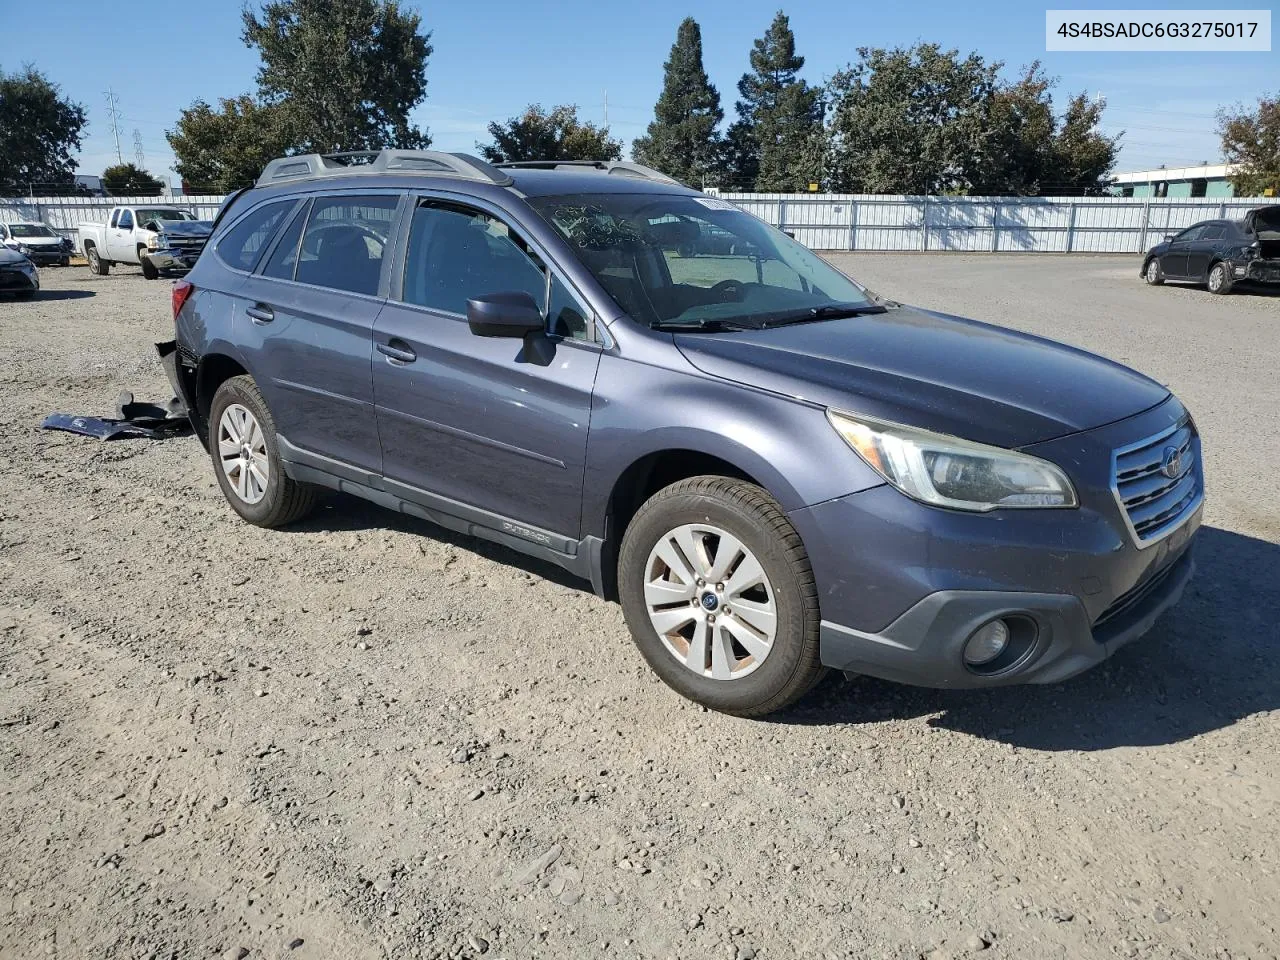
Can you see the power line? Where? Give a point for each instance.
(113, 108)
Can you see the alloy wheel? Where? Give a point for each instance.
(242, 451)
(710, 601)
(1215, 279)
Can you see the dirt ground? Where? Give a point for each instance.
(366, 737)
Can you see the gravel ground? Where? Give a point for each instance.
(365, 737)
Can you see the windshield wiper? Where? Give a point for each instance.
(708, 324)
(830, 311)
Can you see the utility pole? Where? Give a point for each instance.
(113, 108)
(606, 108)
(139, 157)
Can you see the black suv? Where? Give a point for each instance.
(771, 468)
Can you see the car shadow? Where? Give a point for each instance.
(340, 511)
(1208, 663)
(49, 295)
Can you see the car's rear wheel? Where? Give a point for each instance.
(96, 264)
(1220, 279)
(719, 595)
(1153, 274)
(246, 459)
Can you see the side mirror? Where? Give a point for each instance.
(510, 314)
(1168, 238)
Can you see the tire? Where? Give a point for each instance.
(282, 501)
(1152, 272)
(97, 265)
(148, 269)
(1220, 281)
(752, 685)
(64, 262)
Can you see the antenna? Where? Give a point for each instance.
(113, 108)
(139, 157)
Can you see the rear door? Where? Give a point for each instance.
(1201, 251)
(307, 320)
(494, 429)
(1174, 261)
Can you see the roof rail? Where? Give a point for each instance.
(620, 167)
(308, 166)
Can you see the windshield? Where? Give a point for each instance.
(149, 214)
(30, 230)
(696, 261)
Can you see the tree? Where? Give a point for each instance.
(39, 131)
(776, 142)
(222, 150)
(681, 141)
(1018, 144)
(1082, 157)
(1251, 139)
(347, 72)
(910, 120)
(127, 180)
(558, 135)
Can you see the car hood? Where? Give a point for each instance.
(933, 371)
(10, 258)
(186, 228)
(38, 241)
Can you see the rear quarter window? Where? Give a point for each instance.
(242, 245)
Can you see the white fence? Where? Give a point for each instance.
(984, 224)
(830, 221)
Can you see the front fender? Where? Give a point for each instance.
(785, 444)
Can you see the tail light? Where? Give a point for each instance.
(182, 291)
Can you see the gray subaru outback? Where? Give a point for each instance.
(773, 470)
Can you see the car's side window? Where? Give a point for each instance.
(456, 253)
(242, 245)
(343, 244)
(115, 218)
(1192, 233)
(284, 259)
(126, 219)
(1214, 231)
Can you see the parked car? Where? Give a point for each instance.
(124, 238)
(37, 241)
(772, 469)
(18, 275)
(1220, 253)
(174, 246)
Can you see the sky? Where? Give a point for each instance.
(491, 60)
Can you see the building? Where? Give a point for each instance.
(1206, 180)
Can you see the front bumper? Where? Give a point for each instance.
(48, 256)
(902, 585)
(172, 261)
(18, 281)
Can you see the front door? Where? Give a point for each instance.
(307, 318)
(120, 243)
(496, 425)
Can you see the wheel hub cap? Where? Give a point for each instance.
(710, 602)
(242, 451)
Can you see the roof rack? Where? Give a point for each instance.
(307, 166)
(620, 167)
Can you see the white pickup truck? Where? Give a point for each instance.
(126, 236)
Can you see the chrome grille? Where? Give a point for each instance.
(1153, 502)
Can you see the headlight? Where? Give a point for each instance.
(153, 241)
(950, 472)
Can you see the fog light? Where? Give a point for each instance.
(986, 643)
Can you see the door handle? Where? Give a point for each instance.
(397, 351)
(260, 313)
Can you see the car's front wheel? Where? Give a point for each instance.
(242, 443)
(148, 268)
(1220, 279)
(719, 595)
(1154, 275)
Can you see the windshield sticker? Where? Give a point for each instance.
(714, 203)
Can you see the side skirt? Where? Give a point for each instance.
(582, 558)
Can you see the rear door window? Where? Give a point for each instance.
(284, 259)
(1214, 231)
(242, 245)
(343, 244)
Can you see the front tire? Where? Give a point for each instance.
(719, 596)
(148, 269)
(1153, 274)
(1220, 281)
(246, 459)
